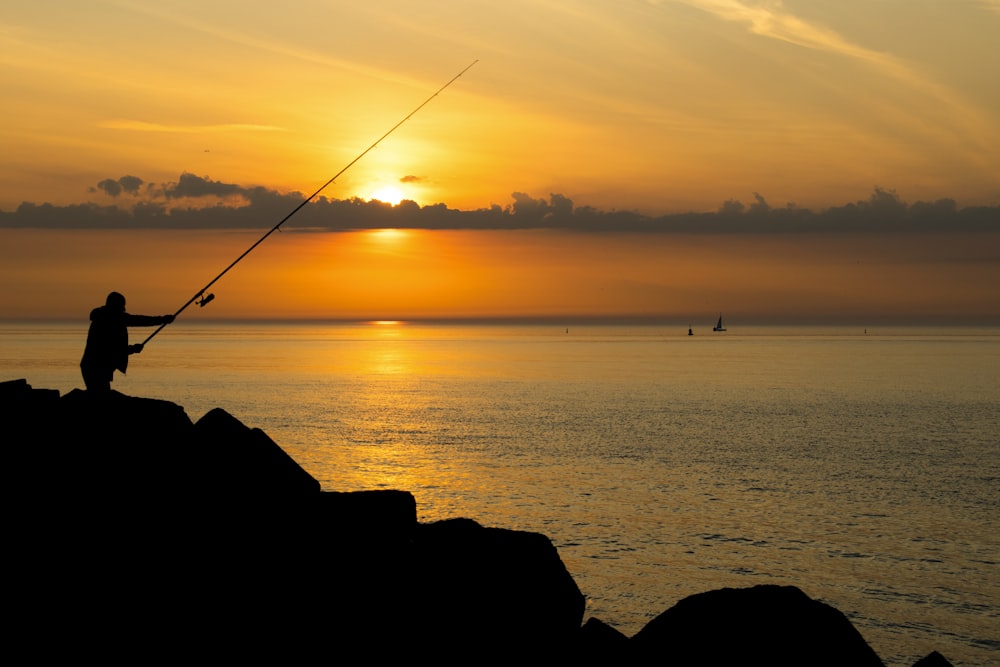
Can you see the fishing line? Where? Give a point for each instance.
(203, 299)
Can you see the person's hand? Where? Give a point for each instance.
(135, 349)
(167, 319)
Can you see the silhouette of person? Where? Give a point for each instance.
(107, 341)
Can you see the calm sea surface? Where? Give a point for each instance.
(863, 468)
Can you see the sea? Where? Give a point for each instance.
(861, 465)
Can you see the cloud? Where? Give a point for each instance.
(770, 19)
(955, 113)
(224, 31)
(411, 179)
(990, 5)
(110, 186)
(189, 185)
(199, 202)
(129, 184)
(144, 126)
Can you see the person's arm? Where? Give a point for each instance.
(147, 320)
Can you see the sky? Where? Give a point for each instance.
(663, 106)
(652, 107)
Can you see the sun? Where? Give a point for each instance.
(389, 194)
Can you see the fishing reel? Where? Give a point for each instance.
(205, 299)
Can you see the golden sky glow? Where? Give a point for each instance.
(418, 274)
(656, 105)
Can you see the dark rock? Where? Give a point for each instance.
(493, 587)
(13, 388)
(245, 462)
(20, 393)
(78, 450)
(377, 517)
(598, 643)
(208, 537)
(772, 625)
(932, 659)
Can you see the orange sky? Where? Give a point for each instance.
(655, 105)
(370, 275)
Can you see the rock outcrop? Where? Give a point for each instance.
(779, 624)
(135, 534)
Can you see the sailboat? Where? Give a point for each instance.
(718, 326)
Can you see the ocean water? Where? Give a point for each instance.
(862, 467)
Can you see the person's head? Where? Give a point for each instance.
(115, 301)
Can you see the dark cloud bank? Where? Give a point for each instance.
(196, 202)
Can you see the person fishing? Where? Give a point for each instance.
(107, 341)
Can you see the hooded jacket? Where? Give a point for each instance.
(107, 340)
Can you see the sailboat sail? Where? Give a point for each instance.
(718, 326)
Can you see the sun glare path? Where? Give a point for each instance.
(387, 330)
(388, 235)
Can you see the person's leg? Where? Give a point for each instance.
(97, 380)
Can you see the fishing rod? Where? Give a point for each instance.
(203, 299)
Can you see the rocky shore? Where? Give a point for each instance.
(136, 534)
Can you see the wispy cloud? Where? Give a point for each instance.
(143, 126)
(991, 5)
(266, 45)
(770, 19)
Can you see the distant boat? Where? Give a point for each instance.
(718, 326)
